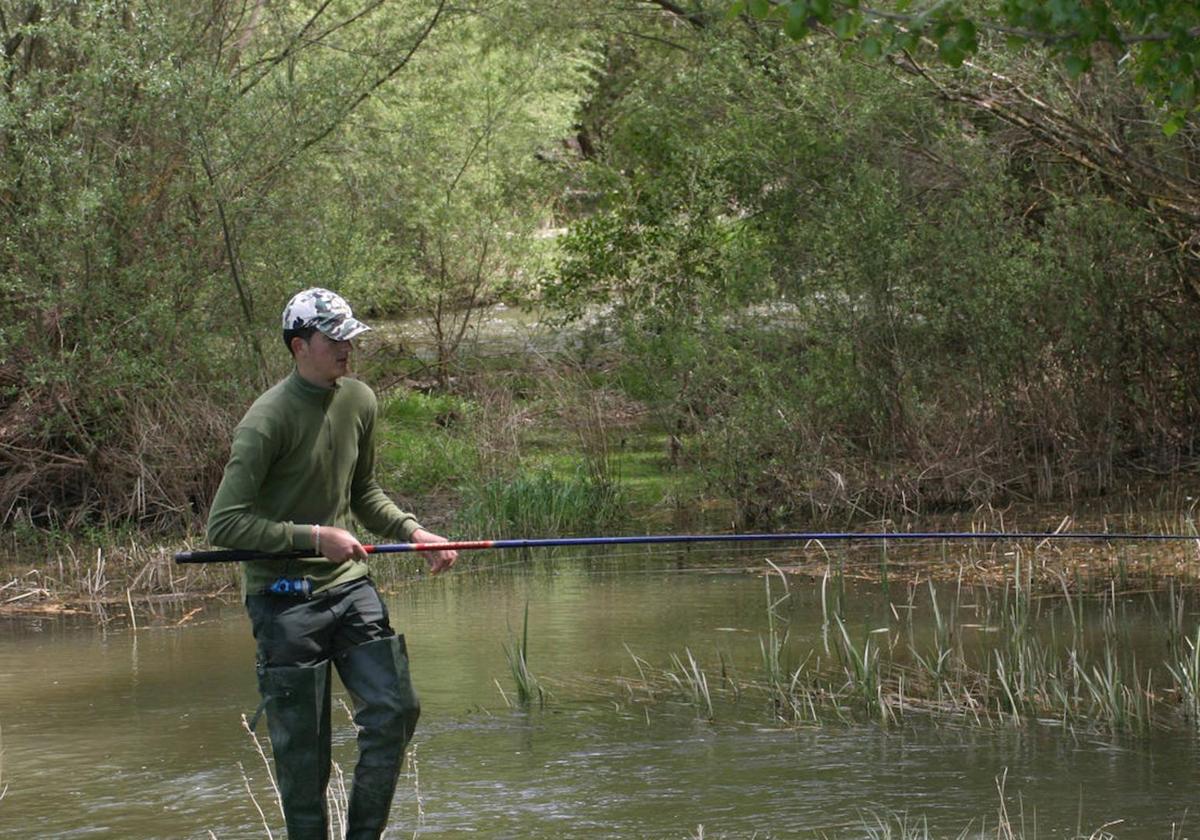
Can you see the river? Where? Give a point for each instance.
(108, 732)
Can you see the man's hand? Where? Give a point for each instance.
(438, 561)
(339, 545)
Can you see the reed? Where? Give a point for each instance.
(540, 503)
(1186, 673)
(96, 569)
(3, 784)
(1176, 635)
(517, 653)
(1008, 823)
(270, 777)
(691, 680)
(862, 671)
(895, 826)
(1107, 692)
(1024, 670)
(775, 671)
(935, 666)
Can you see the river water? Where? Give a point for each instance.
(107, 732)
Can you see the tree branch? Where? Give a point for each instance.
(696, 19)
(366, 94)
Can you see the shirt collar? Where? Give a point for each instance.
(300, 386)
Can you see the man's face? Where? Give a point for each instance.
(322, 360)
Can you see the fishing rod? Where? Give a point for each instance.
(242, 555)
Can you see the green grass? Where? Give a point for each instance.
(428, 444)
(539, 503)
(691, 681)
(638, 460)
(419, 449)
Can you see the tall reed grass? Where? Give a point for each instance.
(517, 654)
(1186, 673)
(1006, 662)
(692, 682)
(3, 784)
(538, 504)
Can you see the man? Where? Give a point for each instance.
(301, 464)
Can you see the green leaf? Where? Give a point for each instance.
(847, 26)
(796, 25)
(871, 47)
(1183, 91)
(905, 40)
(735, 9)
(760, 8)
(1173, 124)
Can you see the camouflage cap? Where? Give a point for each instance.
(324, 310)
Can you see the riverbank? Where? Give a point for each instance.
(529, 448)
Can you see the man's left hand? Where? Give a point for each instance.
(438, 561)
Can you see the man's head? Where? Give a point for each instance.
(317, 328)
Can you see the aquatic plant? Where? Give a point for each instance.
(691, 679)
(936, 665)
(516, 651)
(1186, 672)
(270, 777)
(895, 826)
(775, 671)
(3, 784)
(861, 667)
(1007, 824)
(1020, 669)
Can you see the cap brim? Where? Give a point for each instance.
(344, 330)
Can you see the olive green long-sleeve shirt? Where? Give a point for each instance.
(303, 455)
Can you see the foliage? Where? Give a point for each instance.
(456, 166)
(1162, 37)
(840, 287)
(517, 653)
(170, 174)
(877, 305)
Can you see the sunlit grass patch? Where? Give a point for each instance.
(419, 449)
(539, 503)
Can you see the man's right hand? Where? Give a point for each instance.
(338, 545)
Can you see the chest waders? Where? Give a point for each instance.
(341, 629)
(385, 711)
(296, 700)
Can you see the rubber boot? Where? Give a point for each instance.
(385, 711)
(296, 700)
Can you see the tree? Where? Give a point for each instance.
(866, 287)
(1159, 38)
(158, 177)
(458, 168)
